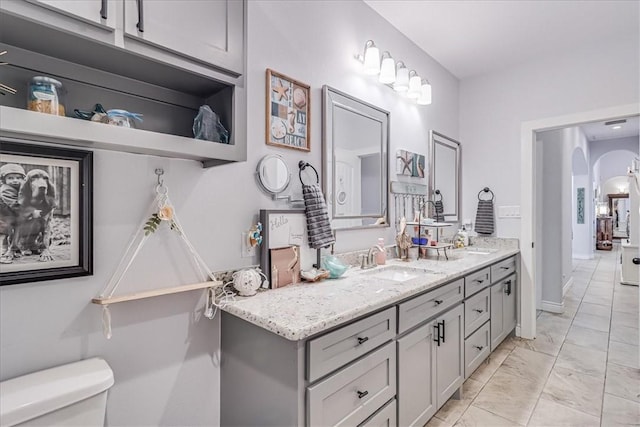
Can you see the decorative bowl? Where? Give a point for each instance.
(336, 267)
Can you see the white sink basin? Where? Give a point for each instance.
(481, 251)
(396, 273)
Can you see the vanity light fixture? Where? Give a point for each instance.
(414, 85)
(402, 78)
(371, 58)
(394, 74)
(387, 69)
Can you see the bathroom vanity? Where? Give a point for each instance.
(386, 346)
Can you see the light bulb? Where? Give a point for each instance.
(371, 58)
(414, 85)
(402, 78)
(425, 93)
(387, 69)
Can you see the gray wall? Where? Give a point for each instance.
(163, 353)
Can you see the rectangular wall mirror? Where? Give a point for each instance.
(445, 174)
(355, 161)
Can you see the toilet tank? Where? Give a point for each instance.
(69, 395)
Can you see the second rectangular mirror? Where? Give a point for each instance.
(445, 174)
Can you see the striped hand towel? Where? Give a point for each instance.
(439, 211)
(484, 217)
(318, 226)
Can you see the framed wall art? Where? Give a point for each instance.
(46, 213)
(410, 164)
(288, 112)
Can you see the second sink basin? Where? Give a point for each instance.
(396, 273)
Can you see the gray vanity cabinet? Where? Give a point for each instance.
(503, 309)
(209, 32)
(430, 367)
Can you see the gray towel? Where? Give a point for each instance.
(318, 226)
(439, 211)
(484, 217)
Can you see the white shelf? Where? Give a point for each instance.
(34, 126)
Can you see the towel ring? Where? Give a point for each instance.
(438, 193)
(302, 165)
(486, 190)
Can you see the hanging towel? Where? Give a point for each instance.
(318, 226)
(484, 217)
(439, 210)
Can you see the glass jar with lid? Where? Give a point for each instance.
(45, 96)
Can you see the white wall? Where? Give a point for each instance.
(164, 355)
(493, 107)
(598, 148)
(612, 164)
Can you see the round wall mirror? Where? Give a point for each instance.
(273, 174)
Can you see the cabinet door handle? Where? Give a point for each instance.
(507, 289)
(437, 339)
(103, 9)
(479, 347)
(438, 301)
(362, 394)
(140, 24)
(478, 310)
(362, 340)
(443, 340)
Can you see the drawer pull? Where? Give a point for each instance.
(478, 310)
(362, 394)
(505, 268)
(480, 281)
(438, 301)
(479, 347)
(362, 340)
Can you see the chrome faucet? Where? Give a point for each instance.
(369, 260)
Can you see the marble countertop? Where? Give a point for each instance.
(297, 312)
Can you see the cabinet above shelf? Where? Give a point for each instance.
(33, 126)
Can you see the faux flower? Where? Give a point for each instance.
(166, 213)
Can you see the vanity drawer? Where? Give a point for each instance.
(335, 349)
(476, 311)
(503, 269)
(352, 394)
(476, 348)
(475, 282)
(430, 304)
(385, 417)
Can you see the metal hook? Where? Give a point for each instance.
(160, 172)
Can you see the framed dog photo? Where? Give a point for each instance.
(46, 213)
(288, 112)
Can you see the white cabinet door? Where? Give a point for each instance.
(449, 353)
(503, 309)
(497, 316)
(93, 11)
(209, 32)
(416, 380)
(509, 305)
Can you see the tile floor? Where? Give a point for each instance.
(581, 370)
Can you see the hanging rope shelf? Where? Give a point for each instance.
(160, 212)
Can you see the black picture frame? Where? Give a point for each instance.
(65, 233)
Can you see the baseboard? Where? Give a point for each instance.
(552, 307)
(580, 256)
(566, 286)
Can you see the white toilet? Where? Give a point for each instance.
(68, 395)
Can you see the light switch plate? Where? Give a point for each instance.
(508, 211)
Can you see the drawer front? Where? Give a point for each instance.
(503, 269)
(430, 304)
(354, 393)
(335, 349)
(475, 282)
(476, 349)
(476, 311)
(385, 417)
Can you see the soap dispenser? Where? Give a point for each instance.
(381, 256)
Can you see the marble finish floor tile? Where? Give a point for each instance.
(545, 342)
(477, 417)
(623, 381)
(509, 343)
(437, 422)
(590, 321)
(624, 334)
(619, 412)
(623, 354)
(551, 414)
(528, 365)
(454, 408)
(508, 396)
(588, 338)
(575, 389)
(629, 320)
(593, 362)
(595, 299)
(628, 305)
(487, 368)
(595, 309)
